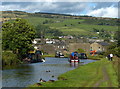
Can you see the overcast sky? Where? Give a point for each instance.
(97, 9)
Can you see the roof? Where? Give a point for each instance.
(103, 43)
(60, 43)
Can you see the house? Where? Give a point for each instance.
(50, 41)
(99, 46)
(60, 45)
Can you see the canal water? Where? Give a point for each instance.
(27, 74)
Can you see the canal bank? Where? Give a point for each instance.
(101, 73)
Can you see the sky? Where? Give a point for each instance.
(96, 9)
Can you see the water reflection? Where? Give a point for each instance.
(26, 74)
(74, 65)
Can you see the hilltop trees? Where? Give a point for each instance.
(17, 36)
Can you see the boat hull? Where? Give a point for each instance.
(74, 60)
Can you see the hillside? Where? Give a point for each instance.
(68, 24)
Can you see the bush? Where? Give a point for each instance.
(80, 50)
(9, 58)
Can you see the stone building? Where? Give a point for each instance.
(99, 46)
(75, 46)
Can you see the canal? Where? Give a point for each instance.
(27, 74)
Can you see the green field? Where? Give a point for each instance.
(71, 26)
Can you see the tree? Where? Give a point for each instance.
(41, 30)
(95, 30)
(117, 37)
(18, 36)
(114, 49)
(117, 48)
(55, 32)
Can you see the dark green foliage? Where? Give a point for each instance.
(9, 58)
(117, 37)
(103, 33)
(41, 30)
(55, 32)
(95, 30)
(79, 23)
(114, 48)
(18, 36)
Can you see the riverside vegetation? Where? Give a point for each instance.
(17, 41)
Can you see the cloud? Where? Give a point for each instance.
(105, 4)
(98, 9)
(104, 12)
(60, 0)
(54, 7)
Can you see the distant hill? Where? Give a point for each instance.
(68, 24)
(50, 15)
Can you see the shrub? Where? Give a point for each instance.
(9, 58)
(80, 50)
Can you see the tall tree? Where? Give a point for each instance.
(18, 36)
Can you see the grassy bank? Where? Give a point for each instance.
(9, 58)
(101, 73)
